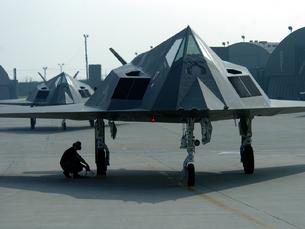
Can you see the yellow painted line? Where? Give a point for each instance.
(218, 203)
(227, 208)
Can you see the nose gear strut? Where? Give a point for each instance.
(189, 142)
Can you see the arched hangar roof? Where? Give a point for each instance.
(285, 69)
(4, 79)
(251, 54)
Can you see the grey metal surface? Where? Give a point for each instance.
(59, 90)
(142, 189)
(183, 73)
(182, 77)
(62, 89)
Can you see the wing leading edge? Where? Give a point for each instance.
(83, 112)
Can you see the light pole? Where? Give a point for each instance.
(61, 65)
(45, 72)
(86, 56)
(243, 37)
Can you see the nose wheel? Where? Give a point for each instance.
(190, 175)
(189, 142)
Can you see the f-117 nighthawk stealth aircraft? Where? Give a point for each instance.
(62, 89)
(179, 81)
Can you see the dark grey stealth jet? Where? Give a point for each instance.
(62, 89)
(179, 81)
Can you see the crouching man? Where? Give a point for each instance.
(72, 163)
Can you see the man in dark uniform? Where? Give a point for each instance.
(72, 162)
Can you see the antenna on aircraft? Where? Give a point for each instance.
(61, 67)
(290, 28)
(44, 80)
(123, 62)
(75, 75)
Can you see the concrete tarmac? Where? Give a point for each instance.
(143, 188)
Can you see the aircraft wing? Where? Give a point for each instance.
(23, 102)
(287, 106)
(83, 112)
(276, 107)
(176, 80)
(73, 111)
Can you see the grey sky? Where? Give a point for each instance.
(37, 33)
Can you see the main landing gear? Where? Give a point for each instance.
(91, 122)
(64, 124)
(189, 142)
(101, 149)
(33, 123)
(246, 150)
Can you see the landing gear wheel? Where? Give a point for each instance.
(196, 142)
(33, 123)
(91, 123)
(190, 175)
(64, 125)
(248, 159)
(101, 161)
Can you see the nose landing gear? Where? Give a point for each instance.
(189, 142)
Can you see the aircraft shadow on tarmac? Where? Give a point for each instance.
(47, 129)
(42, 130)
(141, 185)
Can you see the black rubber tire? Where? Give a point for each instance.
(101, 162)
(248, 160)
(64, 126)
(91, 123)
(196, 142)
(190, 175)
(33, 123)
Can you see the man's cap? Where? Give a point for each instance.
(77, 143)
